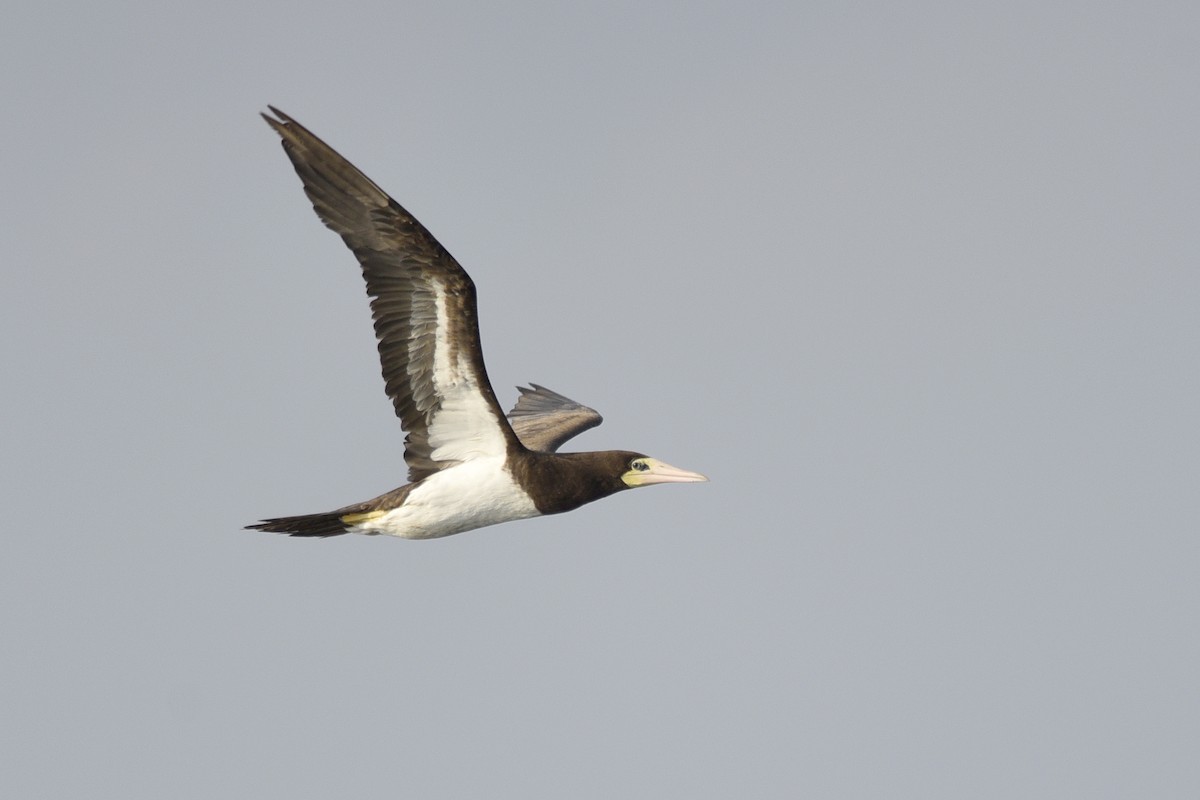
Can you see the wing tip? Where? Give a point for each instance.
(538, 389)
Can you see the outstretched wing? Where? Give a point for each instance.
(423, 304)
(543, 419)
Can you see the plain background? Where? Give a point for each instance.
(915, 284)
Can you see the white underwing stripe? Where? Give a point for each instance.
(463, 426)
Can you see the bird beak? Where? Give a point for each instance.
(660, 472)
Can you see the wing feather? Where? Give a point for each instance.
(423, 305)
(544, 420)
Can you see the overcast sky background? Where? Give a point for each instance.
(916, 286)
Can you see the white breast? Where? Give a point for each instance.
(469, 495)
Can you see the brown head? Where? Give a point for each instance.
(560, 482)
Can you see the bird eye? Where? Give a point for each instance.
(640, 466)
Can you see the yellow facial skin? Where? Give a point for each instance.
(649, 471)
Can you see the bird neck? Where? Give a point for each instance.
(560, 482)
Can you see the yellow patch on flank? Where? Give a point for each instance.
(354, 519)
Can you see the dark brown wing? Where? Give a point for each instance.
(423, 304)
(543, 419)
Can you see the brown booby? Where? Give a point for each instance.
(468, 465)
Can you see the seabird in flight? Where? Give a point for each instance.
(468, 465)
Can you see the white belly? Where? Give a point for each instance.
(471, 495)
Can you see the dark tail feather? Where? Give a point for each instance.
(327, 524)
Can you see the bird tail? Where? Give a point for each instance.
(351, 519)
(330, 523)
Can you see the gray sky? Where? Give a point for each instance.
(916, 287)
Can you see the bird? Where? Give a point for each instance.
(469, 464)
